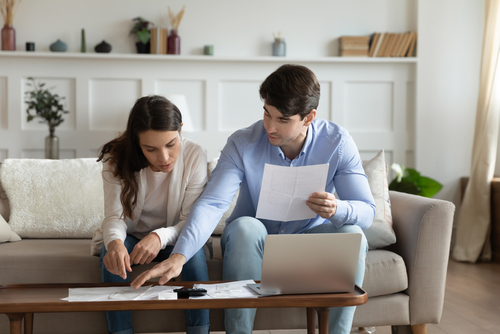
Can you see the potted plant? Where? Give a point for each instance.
(49, 109)
(141, 30)
(408, 180)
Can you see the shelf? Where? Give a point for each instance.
(154, 57)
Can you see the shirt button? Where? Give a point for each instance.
(282, 231)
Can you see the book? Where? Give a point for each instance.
(405, 45)
(379, 43)
(388, 50)
(158, 40)
(355, 46)
(397, 45)
(413, 42)
(373, 43)
(385, 45)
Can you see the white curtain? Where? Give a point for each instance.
(473, 224)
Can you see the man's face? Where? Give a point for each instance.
(284, 131)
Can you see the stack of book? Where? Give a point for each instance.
(393, 44)
(159, 40)
(354, 46)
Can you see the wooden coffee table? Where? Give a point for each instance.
(21, 301)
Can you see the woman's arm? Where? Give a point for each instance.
(114, 229)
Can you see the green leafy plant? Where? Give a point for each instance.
(46, 106)
(141, 29)
(410, 181)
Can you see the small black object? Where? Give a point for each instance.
(30, 46)
(103, 47)
(186, 293)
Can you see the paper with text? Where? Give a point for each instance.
(285, 190)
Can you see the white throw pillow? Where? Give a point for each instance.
(380, 233)
(54, 198)
(6, 234)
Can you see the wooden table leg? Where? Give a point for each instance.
(28, 323)
(323, 313)
(419, 329)
(16, 322)
(311, 320)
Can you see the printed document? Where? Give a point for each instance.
(285, 190)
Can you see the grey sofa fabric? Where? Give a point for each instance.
(423, 227)
(405, 282)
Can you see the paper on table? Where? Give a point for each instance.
(285, 190)
(237, 289)
(116, 293)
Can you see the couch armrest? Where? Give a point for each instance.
(423, 229)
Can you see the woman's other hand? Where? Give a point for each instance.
(146, 250)
(117, 260)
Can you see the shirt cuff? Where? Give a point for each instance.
(168, 236)
(341, 214)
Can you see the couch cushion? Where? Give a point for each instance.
(4, 202)
(380, 233)
(51, 261)
(6, 234)
(54, 198)
(385, 273)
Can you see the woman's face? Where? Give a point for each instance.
(161, 148)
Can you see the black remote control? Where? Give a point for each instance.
(186, 293)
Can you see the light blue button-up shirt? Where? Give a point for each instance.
(241, 166)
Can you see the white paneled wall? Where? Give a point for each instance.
(373, 99)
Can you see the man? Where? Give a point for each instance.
(288, 135)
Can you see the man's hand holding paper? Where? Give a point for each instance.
(323, 203)
(285, 191)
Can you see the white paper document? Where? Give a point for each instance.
(117, 293)
(285, 190)
(236, 289)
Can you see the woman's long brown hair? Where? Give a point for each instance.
(152, 112)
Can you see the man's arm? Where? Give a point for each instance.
(355, 205)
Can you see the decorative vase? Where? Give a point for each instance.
(174, 43)
(103, 47)
(279, 47)
(143, 48)
(51, 146)
(83, 47)
(8, 38)
(58, 46)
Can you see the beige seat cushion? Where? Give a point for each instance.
(61, 261)
(385, 273)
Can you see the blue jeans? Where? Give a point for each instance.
(243, 246)
(195, 269)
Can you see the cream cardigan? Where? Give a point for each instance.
(187, 182)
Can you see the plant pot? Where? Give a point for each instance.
(143, 48)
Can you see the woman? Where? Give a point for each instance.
(151, 177)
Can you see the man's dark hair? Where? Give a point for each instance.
(292, 89)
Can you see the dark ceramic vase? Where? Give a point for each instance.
(143, 48)
(174, 43)
(8, 38)
(58, 46)
(103, 47)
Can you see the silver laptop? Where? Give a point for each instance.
(309, 263)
